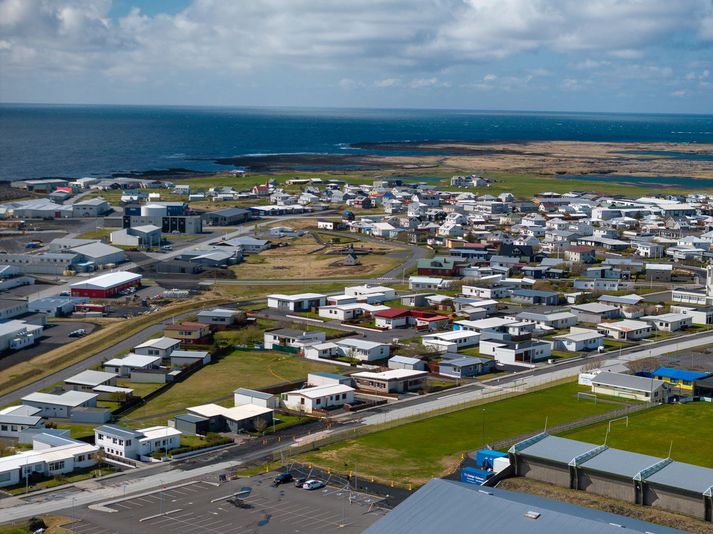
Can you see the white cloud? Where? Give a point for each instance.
(678, 93)
(387, 82)
(489, 78)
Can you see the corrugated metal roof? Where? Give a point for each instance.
(557, 449)
(449, 506)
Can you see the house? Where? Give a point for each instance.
(451, 341)
(131, 362)
(243, 396)
(220, 317)
(557, 319)
(393, 381)
(296, 303)
(363, 350)
(669, 322)
(533, 296)
(580, 254)
(63, 405)
(319, 398)
(320, 351)
(249, 245)
(392, 318)
(441, 266)
(703, 315)
(680, 380)
(349, 312)
(371, 294)
(52, 455)
(136, 444)
(243, 418)
(15, 419)
(659, 272)
(627, 330)
(459, 366)
(404, 362)
(630, 306)
(328, 379)
(595, 312)
(526, 352)
(288, 337)
(631, 387)
(427, 282)
(106, 285)
(161, 347)
(579, 340)
(89, 379)
(188, 332)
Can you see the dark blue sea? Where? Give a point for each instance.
(75, 141)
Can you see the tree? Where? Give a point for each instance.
(100, 458)
(261, 425)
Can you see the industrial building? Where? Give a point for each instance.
(17, 334)
(637, 478)
(106, 285)
(94, 207)
(226, 217)
(631, 387)
(56, 263)
(451, 506)
(147, 235)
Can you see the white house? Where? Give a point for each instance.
(136, 444)
(51, 455)
(289, 337)
(627, 329)
(60, 406)
(451, 341)
(580, 340)
(15, 419)
(310, 399)
(362, 292)
(319, 351)
(363, 350)
(427, 282)
(296, 303)
(669, 322)
(131, 362)
(523, 352)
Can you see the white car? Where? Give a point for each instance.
(313, 484)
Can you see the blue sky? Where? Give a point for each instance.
(593, 55)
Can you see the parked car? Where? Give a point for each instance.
(78, 333)
(299, 482)
(313, 484)
(282, 478)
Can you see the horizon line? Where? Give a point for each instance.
(350, 108)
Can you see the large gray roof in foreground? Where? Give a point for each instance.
(450, 506)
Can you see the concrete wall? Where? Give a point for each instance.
(607, 486)
(543, 471)
(660, 497)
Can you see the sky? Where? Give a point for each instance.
(551, 55)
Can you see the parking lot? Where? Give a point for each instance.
(206, 506)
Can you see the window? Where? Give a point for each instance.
(128, 443)
(56, 466)
(100, 436)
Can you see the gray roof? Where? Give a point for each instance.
(557, 449)
(618, 462)
(450, 506)
(464, 361)
(685, 476)
(621, 380)
(90, 378)
(159, 343)
(118, 431)
(254, 393)
(97, 250)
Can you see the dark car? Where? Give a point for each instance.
(282, 478)
(299, 482)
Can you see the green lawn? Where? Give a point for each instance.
(688, 426)
(238, 369)
(416, 452)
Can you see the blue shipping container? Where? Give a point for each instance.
(473, 475)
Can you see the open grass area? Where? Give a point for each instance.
(304, 258)
(252, 290)
(689, 426)
(416, 452)
(218, 381)
(54, 525)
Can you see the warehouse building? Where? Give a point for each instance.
(106, 285)
(16, 334)
(147, 235)
(56, 306)
(48, 263)
(451, 506)
(226, 217)
(94, 207)
(637, 478)
(100, 254)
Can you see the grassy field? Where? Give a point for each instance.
(305, 258)
(416, 452)
(688, 426)
(220, 379)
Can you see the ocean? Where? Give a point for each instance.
(75, 141)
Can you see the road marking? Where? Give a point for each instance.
(160, 515)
